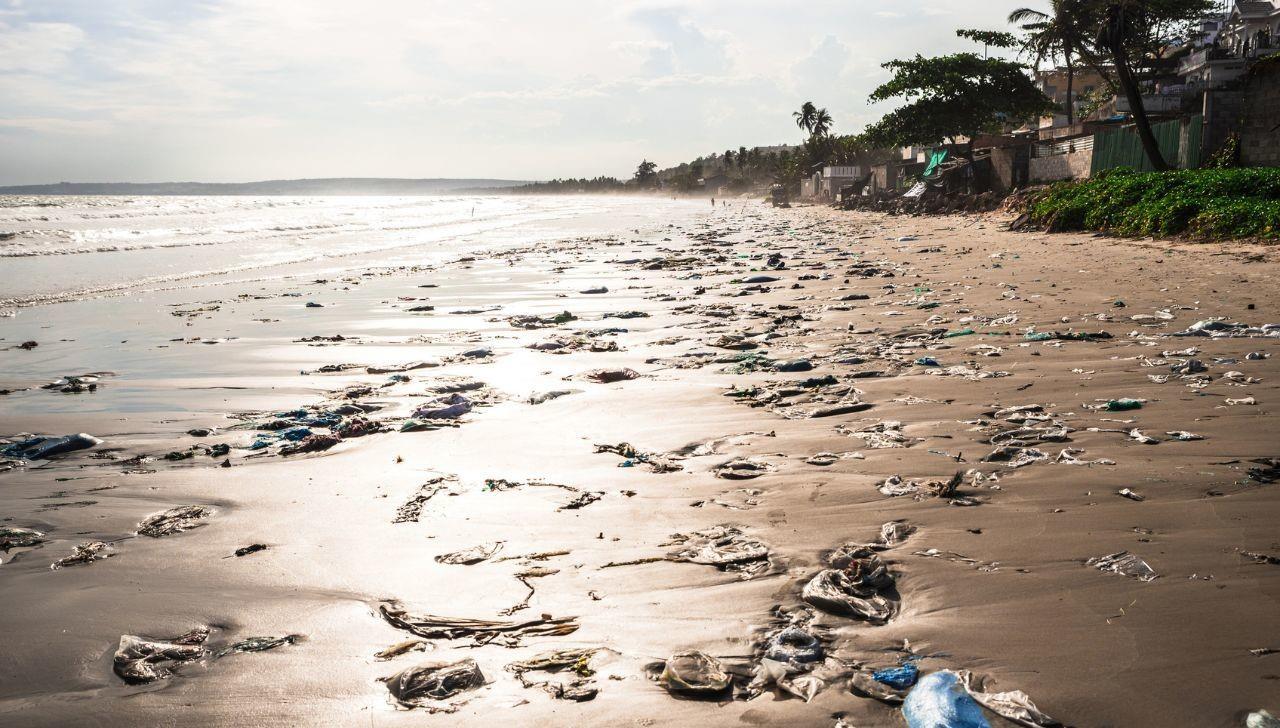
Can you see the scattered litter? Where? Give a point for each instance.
(895, 486)
(401, 648)
(139, 661)
(1261, 719)
(583, 499)
(860, 586)
(481, 631)
(427, 685)
(1070, 456)
(310, 443)
(411, 511)
(882, 435)
(579, 688)
(901, 677)
(1014, 705)
(743, 469)
(863, 684)
(608, 376)
(41, 448)
(1136, 434)
(85, 553)
(1124, 563)
(656, 463)
(725, 547)
(259, 644)
(694, 673)
(13, 537)
(448, 407)
(543, 397)
(473, 555)
(174, 520)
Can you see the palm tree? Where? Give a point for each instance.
(822, 123)
(805, 116)
(1062, 32)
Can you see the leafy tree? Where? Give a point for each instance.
(646, 174)
(952, 96)
(805, 116)
(1133, 33)
(990, 38)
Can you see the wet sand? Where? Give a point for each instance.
(994, 578)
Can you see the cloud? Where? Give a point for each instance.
(824, 65)
(241, 89)
(685, 47)
(57, 126)
(37, 47)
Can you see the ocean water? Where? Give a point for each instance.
(55, 248)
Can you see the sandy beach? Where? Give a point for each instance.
(641, 428)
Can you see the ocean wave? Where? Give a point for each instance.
(441, 247)
(62, 241)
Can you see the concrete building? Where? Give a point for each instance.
(825, 183)
(1251, 29)
(833, 178)
(1053, 82)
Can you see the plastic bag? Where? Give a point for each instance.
(939, 700)
(694, 672)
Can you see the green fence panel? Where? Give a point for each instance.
(1191, 141)
(1123, 148)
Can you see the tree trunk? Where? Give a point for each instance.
(1071, 84)
(1134, 94)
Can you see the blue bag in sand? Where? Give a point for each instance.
(939, 700)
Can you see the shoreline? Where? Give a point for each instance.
(1014, 601)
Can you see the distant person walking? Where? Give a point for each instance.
(713, 202)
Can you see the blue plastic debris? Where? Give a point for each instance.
(939, 700)
(901, 677)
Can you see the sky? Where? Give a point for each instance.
(241, 90)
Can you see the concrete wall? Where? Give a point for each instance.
(1260, 127)
(1004, 176)
(1223, 109)
(1062, 166)
(884, 176)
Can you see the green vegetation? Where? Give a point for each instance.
(1210, 204)
(646, 175)
(571, 186)
(952, 96)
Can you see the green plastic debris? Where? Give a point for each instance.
(1039, 336)
(1123, 404)
(958, 332)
